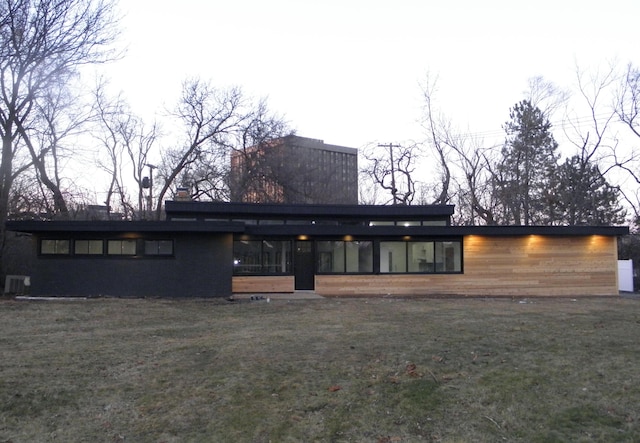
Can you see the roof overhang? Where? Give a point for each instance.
(277, 210)
(117, 226)
(433, 231)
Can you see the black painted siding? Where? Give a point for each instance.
(202, 266)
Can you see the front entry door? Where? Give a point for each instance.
(303, 265)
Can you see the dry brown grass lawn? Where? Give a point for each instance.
(330, 370)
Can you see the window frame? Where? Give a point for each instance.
(111, 241)
(261, 259)
(158, 241)
(57, 241)
(326, 257)
(89, 241)
(436, 243)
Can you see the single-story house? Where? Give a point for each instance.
(209, 249)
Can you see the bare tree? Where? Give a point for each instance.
(126, 143)
(392, 168)
(42, 44)
(627, 109)
(209, 117)
(216, 122)
(546, 96)
(59, 118)
(466, 175)
(438, 132)
(259, 167)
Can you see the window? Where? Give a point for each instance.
(88, 247)
(121, 247)
(359, 256)
(345, 256)
(448, 257)
(246, 257)
(261, 257)
(276, 256)
(393, 256)
(54, 247)
(158, 247)
(330, 256)
(420, 256)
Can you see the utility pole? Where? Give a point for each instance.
(150, 200)
(394, 190)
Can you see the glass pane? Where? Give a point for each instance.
(330, 256)
(359, 256)
(448, 256)
(54, 246)
(421, 257)
(93, 247)
(121, 247)
(114, 247)
(246, 257)
(381, 223)
(165, 247)
(150, 247)
(129, 247)
(393, 256)
(276, 256)
(48, 246)
(62, 246)
(81, 247)
(434, 223)
(96, 247)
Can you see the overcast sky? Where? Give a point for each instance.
(349, 71)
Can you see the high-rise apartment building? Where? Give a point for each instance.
(296, 170)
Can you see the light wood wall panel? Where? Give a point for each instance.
(263, 284)
(502, 266)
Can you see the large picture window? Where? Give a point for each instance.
(420, 256)
(261, 257)
(345, 256)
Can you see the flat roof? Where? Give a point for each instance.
(278, 210)
(317, 230)
(432, 231)
(119, 226)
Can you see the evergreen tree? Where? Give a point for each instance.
(585, 197)
(525, 175)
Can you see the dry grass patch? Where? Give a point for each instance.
(363, 370)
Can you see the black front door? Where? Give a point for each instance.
(304, 266)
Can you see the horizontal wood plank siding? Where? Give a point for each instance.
(263, 284)
(502, 266)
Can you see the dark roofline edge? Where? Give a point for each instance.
(168, 226)
(173, 207)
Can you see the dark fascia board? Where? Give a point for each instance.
(278, 210)
(432, 231)
(495, 231)
(33, 226)
(116, 226)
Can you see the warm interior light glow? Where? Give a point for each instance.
(303, 237)
(348, 238)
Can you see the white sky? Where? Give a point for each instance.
(348, 71)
